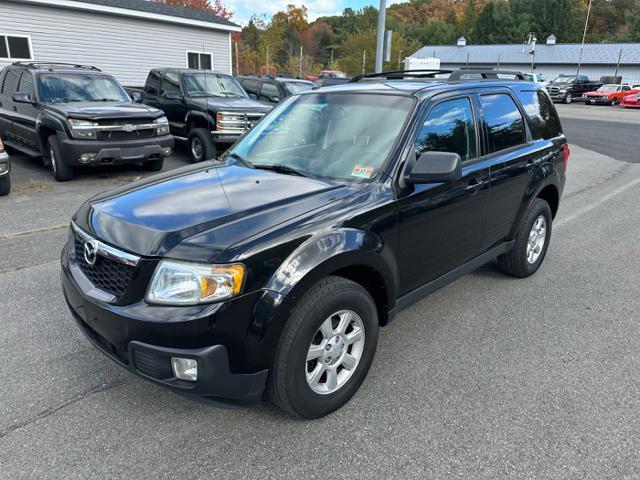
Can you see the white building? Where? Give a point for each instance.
(549, 59)
(125, 38)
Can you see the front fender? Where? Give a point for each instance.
(202, 116)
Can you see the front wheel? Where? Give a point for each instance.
(531, 243)
(325, 349)
(568, 98)
(201, 147)
(61, 171)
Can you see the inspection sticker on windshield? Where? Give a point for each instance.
(362, 171)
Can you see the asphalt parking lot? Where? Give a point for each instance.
(488, 378)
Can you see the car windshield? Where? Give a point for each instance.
(79, 87)
(609, 88)
(345, 136)
(297, 87)
(211, 85)
(563, 80)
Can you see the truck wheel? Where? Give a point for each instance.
(531, 243)
(5, 185)
(153, 165)
(568, 98)
(325, 350)
(200, 145)
(61, 171)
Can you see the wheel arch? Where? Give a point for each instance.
(551, 195)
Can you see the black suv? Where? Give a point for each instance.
(273, 268)
(271, 90)
(76, 115)
(210, 109)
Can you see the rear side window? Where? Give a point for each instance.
(251, 86)
(26, 84)
(505, 125)
(268, 90)
(153, 82)
(449, 127)
(170, 83)
(10, 84)
(543, 117)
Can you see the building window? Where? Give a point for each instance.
(199, 60)
(17, 47)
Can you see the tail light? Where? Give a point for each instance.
(565, 155)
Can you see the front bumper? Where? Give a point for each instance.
(597, 101)
(115, 152)
(142, 338)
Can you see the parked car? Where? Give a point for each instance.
(272, 90)
(273, 270)
(5, 171)
(327, 74)
(631, 101)
(535, 77)
(77, 115)
(567, 88)
(609, 94)
(211, 110)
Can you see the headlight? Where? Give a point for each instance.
(163, 126)
(82, 129)
(185, 283)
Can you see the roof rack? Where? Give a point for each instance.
(454, 75)
(400, 74)
(54, 64)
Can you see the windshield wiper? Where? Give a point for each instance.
(240, 159)
(285, 169)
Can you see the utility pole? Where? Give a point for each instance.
(380, 38)
(584, 34)
(618, 64)
(268, 60)
(331, 62)
(237, 61)
(364, 60)
(300, 61)
(399, 58)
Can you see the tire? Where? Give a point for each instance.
(331, 300)
(5, 185)
(153, 165)
(517, 262)
(200, 145)
(613, 102)
(568, 98)
(61, 171)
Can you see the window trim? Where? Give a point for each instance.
(198, 53)
(6, 42)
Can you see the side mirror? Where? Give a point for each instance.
(274, 99)
(253, 96)
(136, 97)
(172, 95)
(22, 98)
(434, 167)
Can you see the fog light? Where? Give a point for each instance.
(166, 151)
(87, 157)
(185, 368)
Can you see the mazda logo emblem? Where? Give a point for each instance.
(90, 252)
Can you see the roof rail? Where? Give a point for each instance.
(400, 74)
(54, 64)
(486, 74)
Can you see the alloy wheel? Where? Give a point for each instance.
(537, 239)
(196, 148)
(335, 352)
(52, 157)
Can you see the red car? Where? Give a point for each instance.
(609, 94)
(631, 101)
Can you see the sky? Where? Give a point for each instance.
(317, 8)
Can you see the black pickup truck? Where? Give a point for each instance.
(77, 115)
(567, 88)
(209, 109)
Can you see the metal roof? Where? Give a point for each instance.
(561, 54)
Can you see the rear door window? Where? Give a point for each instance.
(504, 122)
(449, 127)
(26, 84)
(268, 90)
(543, 118)
(10, 84)
(170, 83)
(250, 85)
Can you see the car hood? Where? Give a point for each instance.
(104, 110)
(196, 213)
(243, 104)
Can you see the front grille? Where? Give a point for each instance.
(108, 275)
(122, 135)
(116, 130)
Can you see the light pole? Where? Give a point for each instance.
(584, 34)
(380, 38)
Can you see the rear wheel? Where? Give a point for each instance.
(531, 243)
(201, 147)
(61, 171)
(325, 350)
(5, 185)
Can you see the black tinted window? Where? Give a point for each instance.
(10, 84)
(170, 83)
(26, 84)
(268, 90)
(504, 121)
(544, 120)
(251, 86)
(449, 128)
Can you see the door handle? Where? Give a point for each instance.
(15, 109)
(474, 186)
